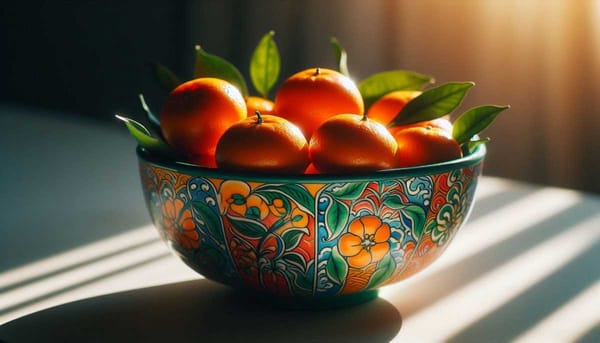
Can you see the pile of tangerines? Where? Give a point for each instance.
(317, 123)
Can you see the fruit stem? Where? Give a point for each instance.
(364, 117)
(259, 118)
(318, 71)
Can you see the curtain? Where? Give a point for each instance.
(540, 56)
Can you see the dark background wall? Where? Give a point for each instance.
(90, 59)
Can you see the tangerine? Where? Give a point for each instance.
(256, 103)
(311, 96)
(352, 142)
(263, 143)
(442, 123)
(197, 113)
(386, 108)
(420, 145)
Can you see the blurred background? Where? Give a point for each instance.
(87, 60)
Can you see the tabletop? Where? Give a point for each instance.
(80, 261)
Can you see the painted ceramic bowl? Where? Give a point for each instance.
(317, 237)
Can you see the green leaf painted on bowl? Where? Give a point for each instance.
(433, 103)
(152, 119)
(413, 213)
(265, 64)
(296, 193)
(341, 57)
(248, 228)
(336, 217)
(349, 191)
(417, 216)
(295, 259)
(380, 84)
(337, 269)
(144, 138)
(208, 65)
(211, 219)
(291, 237)
(473, 121)
(473, 144)
(165, 77)
(385, 269)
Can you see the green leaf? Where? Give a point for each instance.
(413, 213)
(341, 56)
(337, 269)
(385, 269)
(248, 228)
(473, 144)
(349, 191)
(144, 138)
(380, 84)
(265, 64)
(208, 65)
(336, 217)
(211, 219)
(154, 121)
(474, 120)
(294, 192)
(165, 77)
(417, 216)
(291, 237)
(433, 103)
(295, 259)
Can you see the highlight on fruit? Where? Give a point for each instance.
(317, 121)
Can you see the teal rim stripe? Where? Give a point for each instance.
(194, 170)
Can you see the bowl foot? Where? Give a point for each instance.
(316, 303)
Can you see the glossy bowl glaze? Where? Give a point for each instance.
(320, 238)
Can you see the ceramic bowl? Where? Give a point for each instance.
(327, 238)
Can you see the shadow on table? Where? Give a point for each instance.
(199, 310)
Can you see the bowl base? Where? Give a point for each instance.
(316, 303)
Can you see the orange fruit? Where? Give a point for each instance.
(310, 97)
(255, 103)
(352, 142)
(388, 106)
(311, 169)
(440, 123)
(263, 143)
(197, 112)
(420, 145)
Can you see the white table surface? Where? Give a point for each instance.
(80, 262)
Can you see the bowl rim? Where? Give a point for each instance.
(195, 170)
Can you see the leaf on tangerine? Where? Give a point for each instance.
(341, 57)
(432, 103)
(144, 138)
(474, 120)
(380, 84)
(208, 65)
(165, 77)
(265, 64)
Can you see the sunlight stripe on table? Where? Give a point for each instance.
(77, 256)
(465, 306)
(158, 272)
(490, 186)
(57, 283)
(506, 222)
(584, 309)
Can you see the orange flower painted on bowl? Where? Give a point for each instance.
(365, 242)
(236, 197)
(179, 223)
